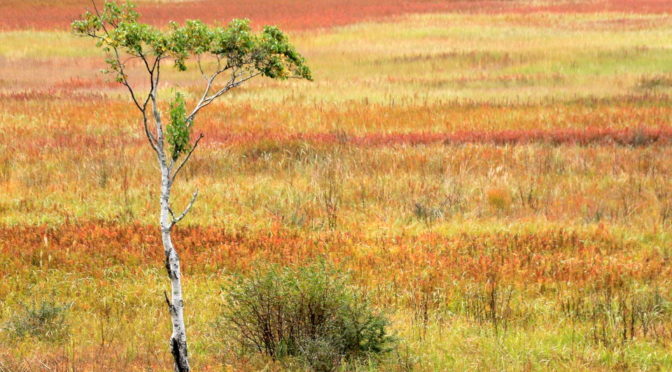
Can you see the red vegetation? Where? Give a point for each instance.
(51, 94)
(259, 143)
(76, 83)
(542, 257)
(603, 136)
(626, 137)
(299, 14)
(626, 6)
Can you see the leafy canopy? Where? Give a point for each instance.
(236, 48)
(117, 30)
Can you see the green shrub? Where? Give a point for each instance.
(309, 313)
(46, 322)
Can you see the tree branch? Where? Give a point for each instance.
(186, 159)
(170, 304)
(208, 86)
(124, 79)
(150, 137)
(200, 66)
(206, 100)
(117, 57)
(157, 113)
(179, 218)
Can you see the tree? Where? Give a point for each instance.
(237, 53)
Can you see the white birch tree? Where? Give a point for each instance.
(236, 55)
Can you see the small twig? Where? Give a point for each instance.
(200, 67)
(186, 210)
(186, 159)
(171, 308)
(208, 100)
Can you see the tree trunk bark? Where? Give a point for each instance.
(178, 339)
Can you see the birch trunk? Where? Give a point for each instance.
(178, 339)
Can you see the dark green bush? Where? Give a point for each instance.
(309, 313)
(46, 322)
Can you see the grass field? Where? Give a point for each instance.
(495, 175)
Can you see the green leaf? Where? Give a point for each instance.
(178, 130)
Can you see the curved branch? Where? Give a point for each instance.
(186, 159)
(208, 86)
(176, 220)
(206, 100)
(148, 134)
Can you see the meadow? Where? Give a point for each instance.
(496, 176)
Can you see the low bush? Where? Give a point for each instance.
(46, 322)
(309, 313)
